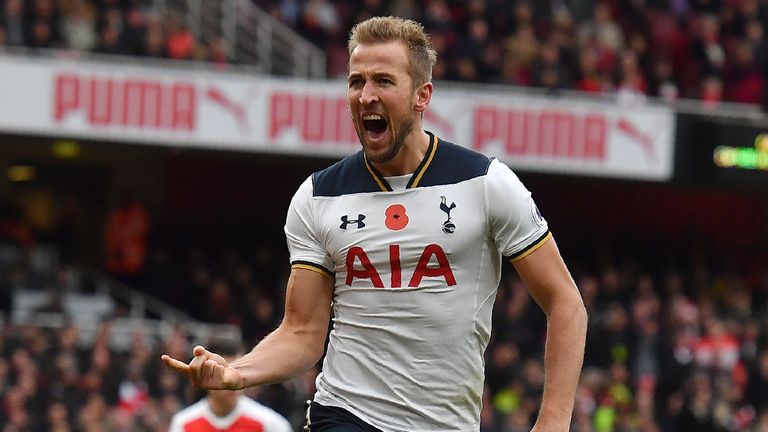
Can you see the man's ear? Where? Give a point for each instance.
(423, 96)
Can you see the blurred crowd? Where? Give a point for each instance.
(673, 346)
(65, 378)
(49, 382)
(123, 27)
(707, 49)
(679, 348)
(713, 50)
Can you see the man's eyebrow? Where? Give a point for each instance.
(382, 75)
(355, 75)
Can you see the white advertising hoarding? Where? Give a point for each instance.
(195, 108)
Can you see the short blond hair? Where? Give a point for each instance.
(421, 55)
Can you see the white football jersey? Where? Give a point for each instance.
(416, 262)
(248, 416)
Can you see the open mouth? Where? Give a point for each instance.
(375, 126)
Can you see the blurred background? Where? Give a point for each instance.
(149, 150)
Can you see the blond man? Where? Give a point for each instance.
(403, 242)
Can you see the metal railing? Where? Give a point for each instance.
(89, 301)
(250, 36)
(123, 330)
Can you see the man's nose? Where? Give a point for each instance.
(368, 95)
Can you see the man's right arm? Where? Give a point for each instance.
(295, 346)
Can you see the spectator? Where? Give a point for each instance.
(602, 30)
(609, 339)
(524, 48)
(472, 43)
(125, 238)
(437, 17)
(707, 50)
(42, 14)
(548, 72)
(109, 40)
(217, 52)
(180, 42)
(58, 418)
(14, 227)
(755, 39)
(757, 390)
(221, 303)
(512, 72)
(632, 85)
(78, 25)
(287, 11)
(464, 69)
(154, 41)
(319, 19)
(135, 30)
(589, 77)
(744, 75)
(42, 35)
(711, 92)
(662, 82)
(13, 22)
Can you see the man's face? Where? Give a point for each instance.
(382, 99)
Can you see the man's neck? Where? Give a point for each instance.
(409, 157)
(222, 408)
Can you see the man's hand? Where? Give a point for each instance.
(207, 370)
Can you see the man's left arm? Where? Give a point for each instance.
(547, 279)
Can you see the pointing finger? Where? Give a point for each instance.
(175, 364)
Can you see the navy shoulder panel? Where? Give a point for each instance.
(454, 164)
(346, 176)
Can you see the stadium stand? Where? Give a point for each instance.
(678, 337)
(671, 348)
(595, 46)
(607, 46)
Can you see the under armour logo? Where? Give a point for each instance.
(448, 226)
(359, 221)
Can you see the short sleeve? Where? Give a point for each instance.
(279, 424)
(271, 420)
(301, 233)
(175, 425)
(516, 224)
